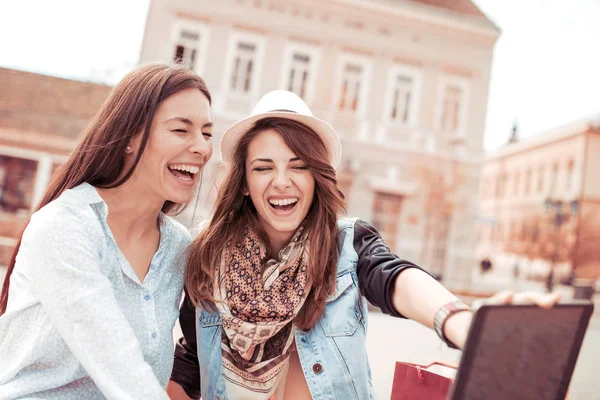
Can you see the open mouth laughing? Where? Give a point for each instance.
(283, 204)
(184, 172)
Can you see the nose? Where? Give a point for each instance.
(201, 146)
(282, 179)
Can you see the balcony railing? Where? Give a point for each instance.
(389, 134)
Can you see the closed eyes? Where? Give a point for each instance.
(300, 168)
(183, 131)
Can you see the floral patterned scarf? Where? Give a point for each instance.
(258, 299)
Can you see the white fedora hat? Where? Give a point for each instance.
(281, 104)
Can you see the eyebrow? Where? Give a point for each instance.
(269, 160)
(188, 121)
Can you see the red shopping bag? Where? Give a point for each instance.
(418, 382)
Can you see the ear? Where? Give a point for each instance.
(245, 191)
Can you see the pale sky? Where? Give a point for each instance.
(546, 69)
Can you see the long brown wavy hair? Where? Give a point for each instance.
(233, 212)
(98, 159)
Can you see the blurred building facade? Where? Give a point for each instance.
(540, 203)
(404, 82)
(41, 118)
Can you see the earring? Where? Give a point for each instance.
(128, 149)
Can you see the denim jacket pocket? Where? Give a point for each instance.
(342, 314)
(206, 319)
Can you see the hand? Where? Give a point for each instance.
(176, 392)
(457, 326)
(544, 300)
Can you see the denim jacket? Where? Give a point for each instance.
(333, 353)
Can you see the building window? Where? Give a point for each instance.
(528, 181)
(452, 106)
(300, 68)
(517, 182)
(554, 178)
(500, 185)
(189, 44)
(570, 174)
(17, 179)
(350, 90)
(401, 98)
(352, 87)
(298, 74)
(244, 63)
(540, 185)
(386, 216)
(404, 85)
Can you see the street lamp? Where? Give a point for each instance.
(556, 206)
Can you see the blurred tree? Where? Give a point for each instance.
(440, 182)
(574, 242)
(585, 253)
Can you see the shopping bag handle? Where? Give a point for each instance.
(442, 363)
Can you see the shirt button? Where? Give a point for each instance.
(153, 335)
(147, 297)
(317, 368)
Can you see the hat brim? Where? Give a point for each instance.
(233, 134)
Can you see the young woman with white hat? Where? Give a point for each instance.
(277, 280)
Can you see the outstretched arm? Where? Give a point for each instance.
(403, 289)
(418, 296)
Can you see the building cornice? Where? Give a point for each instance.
(588, 125)
(428, 15)
(334, 20)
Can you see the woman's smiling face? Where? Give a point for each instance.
(280, 185)
(178, 147)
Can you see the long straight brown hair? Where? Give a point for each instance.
(98, 159)
(233, 212)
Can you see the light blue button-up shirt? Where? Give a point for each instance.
(79, 323)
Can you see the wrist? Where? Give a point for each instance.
(451, 323)
(457, 328)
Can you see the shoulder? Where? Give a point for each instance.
(359, 236)
(364, 228)
(354, 235)
(359, 226)
(346, 223)
(70, 215)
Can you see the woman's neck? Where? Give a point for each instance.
(129, 211)
(278, 242)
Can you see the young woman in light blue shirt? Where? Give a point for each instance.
(92, 292)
